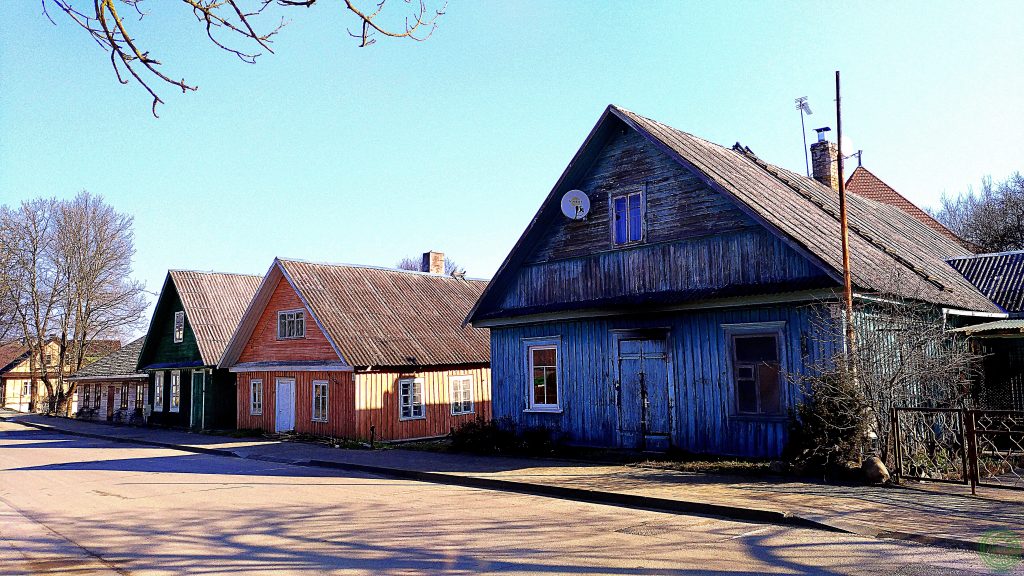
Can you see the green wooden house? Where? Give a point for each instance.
(193, 320)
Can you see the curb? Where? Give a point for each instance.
(566, 493)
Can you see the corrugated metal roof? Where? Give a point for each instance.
(214, 303)
(384, 317)
(864, 183)
(121, 362)
(10, 353)
(1009, 325)
(999, 276)
(890, 251)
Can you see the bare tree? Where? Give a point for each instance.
(903, 357)
(409, 263)
(235, 26)
(992, 220)
(67, 267)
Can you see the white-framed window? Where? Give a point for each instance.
(124, 395)
(628, 218)
(175, 390)
(543, 366)
(291, 324)
(98, 392)
(26, 388)
(461, 392)
(256, 397)
(410, 394)
(140, 396)
(158, 392)
(86, 397)
(179, 326)
(320, 396)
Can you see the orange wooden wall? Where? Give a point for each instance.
(340, 411)
(377, 402)
(263, 345)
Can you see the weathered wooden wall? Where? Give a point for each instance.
(702, 388)
(377, 402)
(263, 344)
(340, 411)
(160, 348)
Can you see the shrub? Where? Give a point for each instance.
(504, 436)
(828, 429)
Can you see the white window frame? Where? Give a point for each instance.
(543, 344)
(158, 392)
(256, 397)
(411, 398)
(175, 399)
(461, 400)
(642, 193)
(85, 396)
(320, 413)
(295, 316)
(97, 396)
(179, 326)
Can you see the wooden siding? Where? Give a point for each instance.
(160, 347)
(752, 258)
(377, 402)
(702, 390)
(264, 346)
(678, 204)
(220, 400)
(340, 411)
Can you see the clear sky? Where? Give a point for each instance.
(330, 152)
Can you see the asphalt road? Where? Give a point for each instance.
(71, 505)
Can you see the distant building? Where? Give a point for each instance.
(21, 378)
(111, 388)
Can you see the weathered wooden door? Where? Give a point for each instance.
(198, 399)
(645, 420)
(284, 401)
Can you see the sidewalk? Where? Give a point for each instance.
(934, 514)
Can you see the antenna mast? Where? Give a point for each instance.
(804, 108)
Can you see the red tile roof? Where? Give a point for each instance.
(865, 184)
(10, 352)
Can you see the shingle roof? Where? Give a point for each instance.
(864, 183)
(11, 352)
(380, 316)
(890, 251)
(999, 276)
(1007, 326)
(121, 362)
(214, 303)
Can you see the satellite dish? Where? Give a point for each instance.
(575, 204)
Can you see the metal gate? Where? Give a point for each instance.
(976, 447)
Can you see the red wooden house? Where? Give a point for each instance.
(360, 352)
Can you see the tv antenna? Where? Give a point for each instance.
(804, 108)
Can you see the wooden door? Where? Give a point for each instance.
(196, 419)
(645, 421)
(284, 401)
(110, 402)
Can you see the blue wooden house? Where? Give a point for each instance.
(671, 313)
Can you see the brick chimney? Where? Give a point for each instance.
(433, 262)
(825, 160)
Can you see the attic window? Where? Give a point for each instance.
(179, 326)
(291, 324)
(628, 218)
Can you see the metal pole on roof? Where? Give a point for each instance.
(804, 108)
(845, 231)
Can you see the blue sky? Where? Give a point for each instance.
(330, 152)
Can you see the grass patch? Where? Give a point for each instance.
(710, 465)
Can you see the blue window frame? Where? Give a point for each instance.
(628, 218)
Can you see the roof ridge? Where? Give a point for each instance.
(988, 255)
(211, 272)
(381, 268)
(772, 170)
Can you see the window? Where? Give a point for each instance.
(86, 397)
(628, 218)
(96, 396)
(140, 396)
(291, 324)
(757, 374)
(256, 397)
(158, 392)
(179, 326)
(26, 389)
(124, 395)
(543, 377)
(175, 391)
(410, 391)
(320, 400)
(461, 394)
